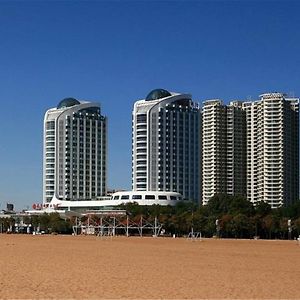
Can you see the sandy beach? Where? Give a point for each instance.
(88, 267)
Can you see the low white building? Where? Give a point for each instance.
(118, 198)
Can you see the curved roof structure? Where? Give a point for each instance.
(118, 198)
(157, 94)
(67, 102)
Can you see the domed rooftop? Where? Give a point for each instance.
(67, 102)
(157, 94)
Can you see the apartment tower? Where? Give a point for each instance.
(273, 149)
(74, 163)
(236, 149)
(224, 149)
(213, 149)
(166, 144)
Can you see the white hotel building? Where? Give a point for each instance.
(75, 152)
(166, 149)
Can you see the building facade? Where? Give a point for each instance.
(166, 130)
(213, 149)
(224, 149)
(236, 150)
(273, 149)
(75, 152)
(251, 149)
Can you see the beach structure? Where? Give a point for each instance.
(116, 199)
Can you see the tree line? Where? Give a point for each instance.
(227, 217)
(224, 216)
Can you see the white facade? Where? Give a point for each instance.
(146, 197)
(118, 198)
(272, 149)
(166, 144)
(213, 149)
(74, 163)
(251, 149)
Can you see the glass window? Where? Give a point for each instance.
(116, 197)
(173, 197)
(141, 186)
(125, 197)
(141, 118)
(162, 197)
(136, 197)
(150, 197)
(141, 168)
(141, 156)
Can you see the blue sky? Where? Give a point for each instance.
(116, 52)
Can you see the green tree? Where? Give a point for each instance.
(218, 205)
(239, 205)
(241, 226)
(270, 224)
(226, 225)
(262, 209)
(296, 226)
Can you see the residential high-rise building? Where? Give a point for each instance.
(252, 149)
(214, 154)
(224, 149)
(273, 149)
(166, 129)
(236, 149)
(75, 152)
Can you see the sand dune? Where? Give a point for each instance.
(87, 267)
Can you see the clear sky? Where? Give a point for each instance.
(116, 52)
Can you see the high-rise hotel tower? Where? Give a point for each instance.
(166, 130)
(74, 164)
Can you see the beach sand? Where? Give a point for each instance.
(88, 267)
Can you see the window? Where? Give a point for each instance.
(50, 125)
(143, 132)
(150, 197)
(141, 180)
(141, 118)
(116, 197)
(136, 197)
(162, 197)
(50, 160)
(141, 168)
(173, 197)
(141, 150)
(141, 144)
(144, 174)
(141, 186)
(125, 197)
